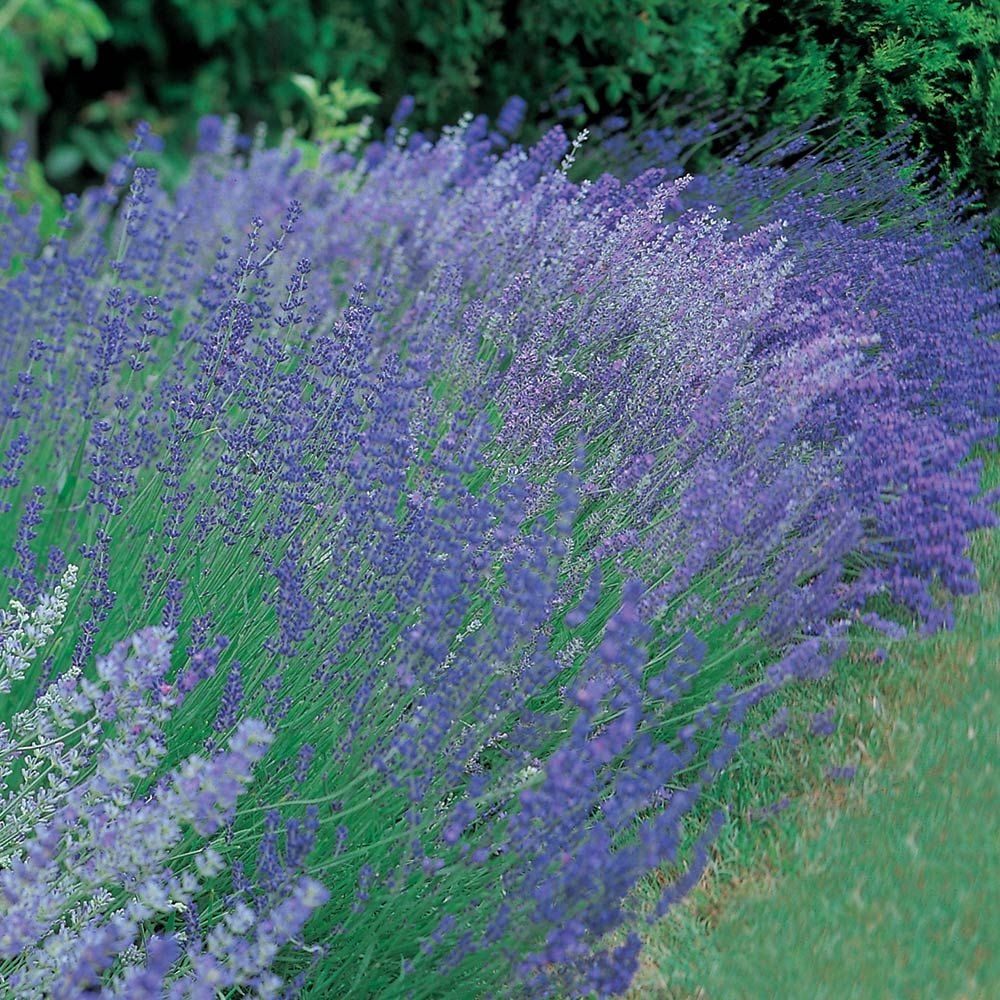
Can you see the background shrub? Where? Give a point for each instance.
(171, 61)
(883, 60)
(38, 36)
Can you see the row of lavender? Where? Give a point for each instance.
(461, 514)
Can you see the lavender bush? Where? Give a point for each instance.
(460, 513)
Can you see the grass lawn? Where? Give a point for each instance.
(882, 886)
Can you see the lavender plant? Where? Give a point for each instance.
(85, 865)
(484, 503)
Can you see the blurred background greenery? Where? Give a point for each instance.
(76, 75)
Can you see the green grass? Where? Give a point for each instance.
(880, 887)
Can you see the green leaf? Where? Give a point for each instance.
(307, 85)
(63, 161)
